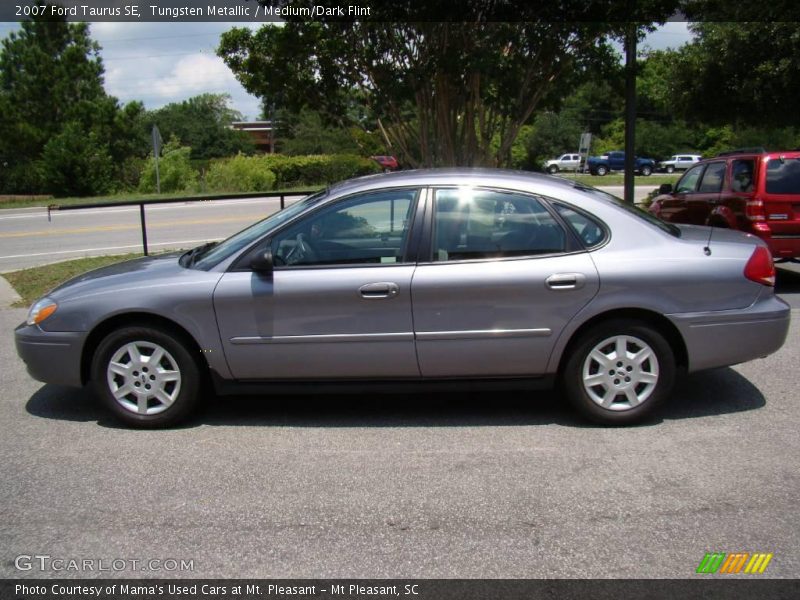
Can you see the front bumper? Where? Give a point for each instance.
(51, 357)
(723, 338)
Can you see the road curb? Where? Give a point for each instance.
(8, 295)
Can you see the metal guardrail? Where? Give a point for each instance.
(142, 203)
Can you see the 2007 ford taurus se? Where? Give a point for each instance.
(418, 277)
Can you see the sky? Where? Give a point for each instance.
(160, 63)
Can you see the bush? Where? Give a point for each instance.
(314, 169)
(239, 174)
(270, 171)
(175, 170)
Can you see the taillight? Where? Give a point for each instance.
(754, 210)
(760, 267)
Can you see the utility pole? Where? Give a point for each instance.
(156, 151)
(630, 109)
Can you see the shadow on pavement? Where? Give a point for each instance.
(718, 392)
(786, 281)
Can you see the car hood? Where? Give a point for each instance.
(136, 273)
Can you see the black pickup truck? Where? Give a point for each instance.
(615, 161)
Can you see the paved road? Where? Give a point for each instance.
(28, 239)
(475, 485)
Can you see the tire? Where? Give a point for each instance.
(138, 393)
(621, 395)
(647, 171)
(670, 169)
(552, 169)
(601, 170)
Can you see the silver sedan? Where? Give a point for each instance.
(423, 278)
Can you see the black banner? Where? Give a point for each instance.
(254, 11)
(410, 589)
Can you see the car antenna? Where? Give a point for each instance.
(707, 249)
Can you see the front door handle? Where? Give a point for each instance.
(383, 289)
(565, 281)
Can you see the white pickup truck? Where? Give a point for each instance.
(565, 162)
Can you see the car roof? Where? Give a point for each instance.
(452, 176)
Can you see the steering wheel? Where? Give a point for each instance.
(302, 252)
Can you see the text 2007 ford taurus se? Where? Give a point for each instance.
(418, 277)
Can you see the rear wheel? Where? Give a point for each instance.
(146, 377)
(601, 170)
(619, 372)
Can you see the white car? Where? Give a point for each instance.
(678, 162)
(565, 162)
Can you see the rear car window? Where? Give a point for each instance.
(589, 230)
(783, 176)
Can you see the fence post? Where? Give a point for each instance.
(283, 202)
(144, 228)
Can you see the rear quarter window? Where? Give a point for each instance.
(783, 176)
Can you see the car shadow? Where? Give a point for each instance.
(787, 281)
(710, 393)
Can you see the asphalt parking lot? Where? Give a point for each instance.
(495, 485)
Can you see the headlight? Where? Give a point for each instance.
(41, 310)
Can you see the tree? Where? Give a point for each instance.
(742, 73)
(51, 95)
(202, 123)
(442, 93)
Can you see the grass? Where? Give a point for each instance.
(35, 282)
(32, 201)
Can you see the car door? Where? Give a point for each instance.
(338, 302)
(676, 207)
(500, 280)
(707, 195)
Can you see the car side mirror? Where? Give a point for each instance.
(262, 262)
(665, 188)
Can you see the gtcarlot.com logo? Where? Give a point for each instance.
(734, 562)
(45, 562)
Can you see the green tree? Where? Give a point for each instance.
(202, 123)
(175, 172)
(51, 91)
(744, 73)
(443, 93)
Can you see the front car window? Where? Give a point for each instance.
(783, 176)
(473, 224)
(370, 228)
(244, 238)
(688, 183)
(712, 178)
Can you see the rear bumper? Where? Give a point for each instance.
(51, 357)
(722, 338)
(784, 246)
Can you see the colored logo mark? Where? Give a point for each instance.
(734, 562)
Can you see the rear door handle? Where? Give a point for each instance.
(383, 289)
(565, 281)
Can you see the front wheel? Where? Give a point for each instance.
(647, 171)
(552, 169)
(670, 169)
(619, 372)
(146, 377)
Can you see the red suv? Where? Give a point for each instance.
(388, 163)
(750, 190)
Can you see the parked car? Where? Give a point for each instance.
(678, 162)
(514, 277)
(615, 161)
(388, 163)
(565, 162)
(753, 191)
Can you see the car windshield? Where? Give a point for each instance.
(213, 255)
(633, 210)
